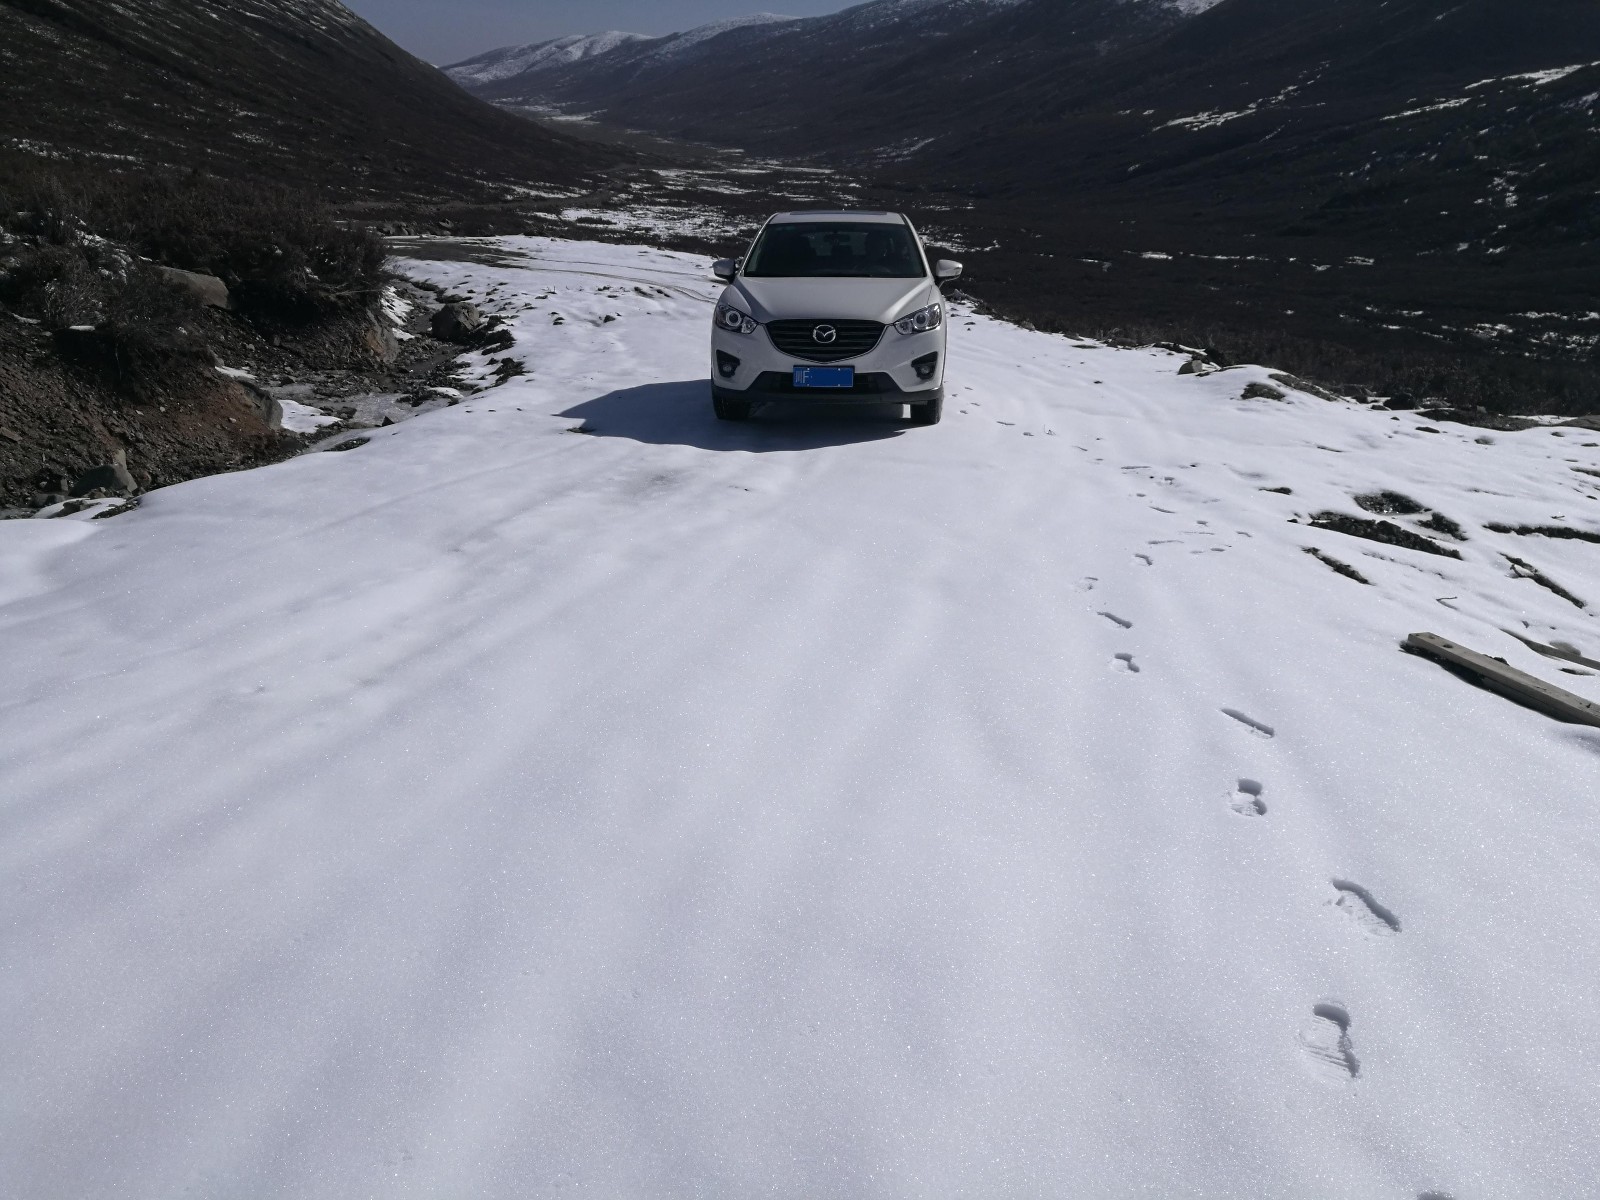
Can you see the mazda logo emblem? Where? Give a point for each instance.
(826, 334)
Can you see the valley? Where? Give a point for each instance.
(1392, 198)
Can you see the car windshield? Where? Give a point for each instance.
(817, 250)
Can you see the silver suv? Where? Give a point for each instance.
(831, 306)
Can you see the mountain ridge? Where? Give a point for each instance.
(794, 86)
(301, 89)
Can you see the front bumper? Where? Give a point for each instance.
(869, 389)
(884, 374)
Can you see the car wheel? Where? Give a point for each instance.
(731, 410)
(928, 413)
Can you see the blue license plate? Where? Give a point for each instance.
(824, 377)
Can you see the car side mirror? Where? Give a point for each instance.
(946, 270)
(725, 269)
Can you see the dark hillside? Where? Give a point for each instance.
(1399, 194)
(301, 91)
(1406, 187)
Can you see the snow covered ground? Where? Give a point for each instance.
(819, 808)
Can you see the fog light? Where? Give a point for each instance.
(926, 367)
(727, 364)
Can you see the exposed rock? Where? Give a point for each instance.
(377, 338)
(458, 322)
(1582, 423)
(69, 509)
(1386, 532)
(1440, 523)
(1343, 568)
(501, 339)
(1480, 418)
(1199, 364)
(1303, 385)
(264, 403)
(1549, 531)
(112, 477)
(1389, 504)
(207, 289)
(1526, 570)
(1262, 391)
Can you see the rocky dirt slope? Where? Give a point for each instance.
(187, 187)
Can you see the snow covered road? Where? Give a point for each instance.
(819, 808)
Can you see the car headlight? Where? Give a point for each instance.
(734, 321)
(924, 320)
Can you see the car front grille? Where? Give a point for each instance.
(799, 338)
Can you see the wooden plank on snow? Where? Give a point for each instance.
(1507, 680)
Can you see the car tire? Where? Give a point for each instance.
(928, 413)
(731, 410)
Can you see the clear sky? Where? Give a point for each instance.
(446, 31)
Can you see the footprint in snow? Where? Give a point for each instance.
(1146, 559)
(1125, 664)
(1116, 620)
(1086, 584)
(1250, 723)
(1325, 1041)
(1370, 917)
(1247, 801)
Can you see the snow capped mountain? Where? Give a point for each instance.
(526, 62)
(884, 11)
(848, 71)
(540, 56)
(683, 41)
(527, 66)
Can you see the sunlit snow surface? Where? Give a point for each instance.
(819, 808)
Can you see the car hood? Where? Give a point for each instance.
(882, 300)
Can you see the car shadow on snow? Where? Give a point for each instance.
(679, 414)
